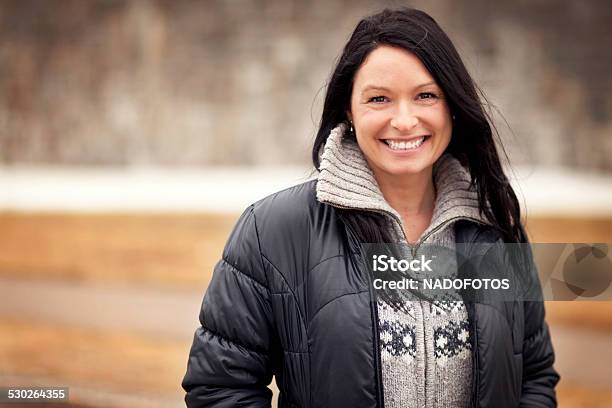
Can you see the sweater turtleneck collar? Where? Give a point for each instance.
(345, 180)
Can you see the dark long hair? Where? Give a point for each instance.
(473, 139)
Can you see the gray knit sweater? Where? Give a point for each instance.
(425, 349)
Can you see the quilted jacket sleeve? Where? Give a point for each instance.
(229, 362)
(539, 375)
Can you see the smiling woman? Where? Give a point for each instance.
(405, 154)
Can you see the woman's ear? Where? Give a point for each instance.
(350, 131)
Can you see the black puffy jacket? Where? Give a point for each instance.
(290, 299)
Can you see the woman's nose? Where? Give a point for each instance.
(404, 120)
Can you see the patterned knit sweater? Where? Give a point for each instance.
(425, 348)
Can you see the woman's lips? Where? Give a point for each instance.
(405, 145)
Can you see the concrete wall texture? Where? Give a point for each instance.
(181, 83)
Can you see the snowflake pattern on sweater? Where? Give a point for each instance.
(397, 339)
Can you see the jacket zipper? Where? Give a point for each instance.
(471, 308)
(377, 354)
(475, 370)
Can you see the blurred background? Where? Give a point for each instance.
(133, 134)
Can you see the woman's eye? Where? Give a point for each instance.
(427, 95)
(377, 99)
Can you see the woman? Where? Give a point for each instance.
(405, 154)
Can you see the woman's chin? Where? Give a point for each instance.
(408, 170)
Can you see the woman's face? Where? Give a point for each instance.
(401, 119)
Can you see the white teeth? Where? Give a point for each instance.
(405, 145)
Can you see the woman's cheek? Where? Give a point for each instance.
(374, 121)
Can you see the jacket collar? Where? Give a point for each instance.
(345, 180)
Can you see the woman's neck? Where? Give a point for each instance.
(413, 197)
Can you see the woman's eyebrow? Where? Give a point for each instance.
(382, 88)
(426, 84)
(375, 87)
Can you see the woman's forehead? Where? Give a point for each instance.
(390, 67)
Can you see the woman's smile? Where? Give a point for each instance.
(407, 145)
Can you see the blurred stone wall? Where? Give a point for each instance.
(107, 82)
